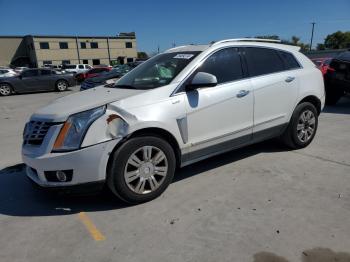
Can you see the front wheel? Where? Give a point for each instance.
(141, 169)
(61, 85)
(302, 127)
(5, 89)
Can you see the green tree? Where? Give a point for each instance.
(321, 47)
(338, 40)
(142, 55)
(274, 37)
(295, 40)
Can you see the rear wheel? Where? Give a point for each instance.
(5, 89)
(141, 169)
(302, 127)
(61, 85)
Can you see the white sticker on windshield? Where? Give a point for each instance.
(183, 56)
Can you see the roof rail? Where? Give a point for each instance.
(246, 40)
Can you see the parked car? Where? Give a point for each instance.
(20, 69)
(92, 73)
(76, 69)
(101, 80)
(33, 80)
(177, 108)
(337, 78)
(322, 63)
(7, 72)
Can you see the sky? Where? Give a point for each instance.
(163, 23)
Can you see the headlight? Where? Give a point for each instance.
(74, 129)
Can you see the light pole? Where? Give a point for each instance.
(312, 34)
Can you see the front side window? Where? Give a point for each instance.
(81, 66)
(30, 73)
(63, 45)
(157, 71)
(224, 64)
(262, 61)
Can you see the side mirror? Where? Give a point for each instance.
(202, 79)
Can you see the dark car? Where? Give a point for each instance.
(101, 79)
(33, 80)
(92, 73)
(337, 78)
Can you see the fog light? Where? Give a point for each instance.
(61, 176)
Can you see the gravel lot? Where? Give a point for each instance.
(260, 204)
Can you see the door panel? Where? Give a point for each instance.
(274, 99)
(218, 114)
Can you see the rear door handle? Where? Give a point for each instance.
(242, 93)
(289, 79)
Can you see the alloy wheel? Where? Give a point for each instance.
(306, 126)
(5, 90)
(146, 169)
(61, 86)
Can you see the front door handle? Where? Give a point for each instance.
(289, 79)
(242, 93)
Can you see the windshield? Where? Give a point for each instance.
(156, 72)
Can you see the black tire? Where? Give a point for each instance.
(290, 136)
(118, 165)
(5, 89)
(61, 85)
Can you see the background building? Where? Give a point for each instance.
(37, 50)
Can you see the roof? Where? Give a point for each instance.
(121, 36)
(188, 48)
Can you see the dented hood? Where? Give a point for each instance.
(60, 109)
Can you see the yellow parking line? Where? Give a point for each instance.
(90, 226)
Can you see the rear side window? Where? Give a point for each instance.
(30, 73)
(81, 66)
(45, 72)
(224, 64)
(263, 61)
(289, 60)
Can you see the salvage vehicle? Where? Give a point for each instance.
(36, 80)
(337, 78)
(179, 107)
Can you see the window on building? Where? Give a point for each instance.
(65, 62)
(128, 44)
(129, 60)
(47, 62)
(85, 61)
(262, 61)
(63, 45)
(82, 45)
(94, 45)
(95, 61)
(44, 45)
(224, 64)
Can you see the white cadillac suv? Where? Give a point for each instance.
(179, 107)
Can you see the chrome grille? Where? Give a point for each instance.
(35, 132)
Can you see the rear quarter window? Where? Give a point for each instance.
(289, 60)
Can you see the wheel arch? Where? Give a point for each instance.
(11, 86)
(313, 100)
(61, 79)
(151, 131)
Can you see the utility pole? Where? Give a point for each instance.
(312, 34)
(158, 49)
